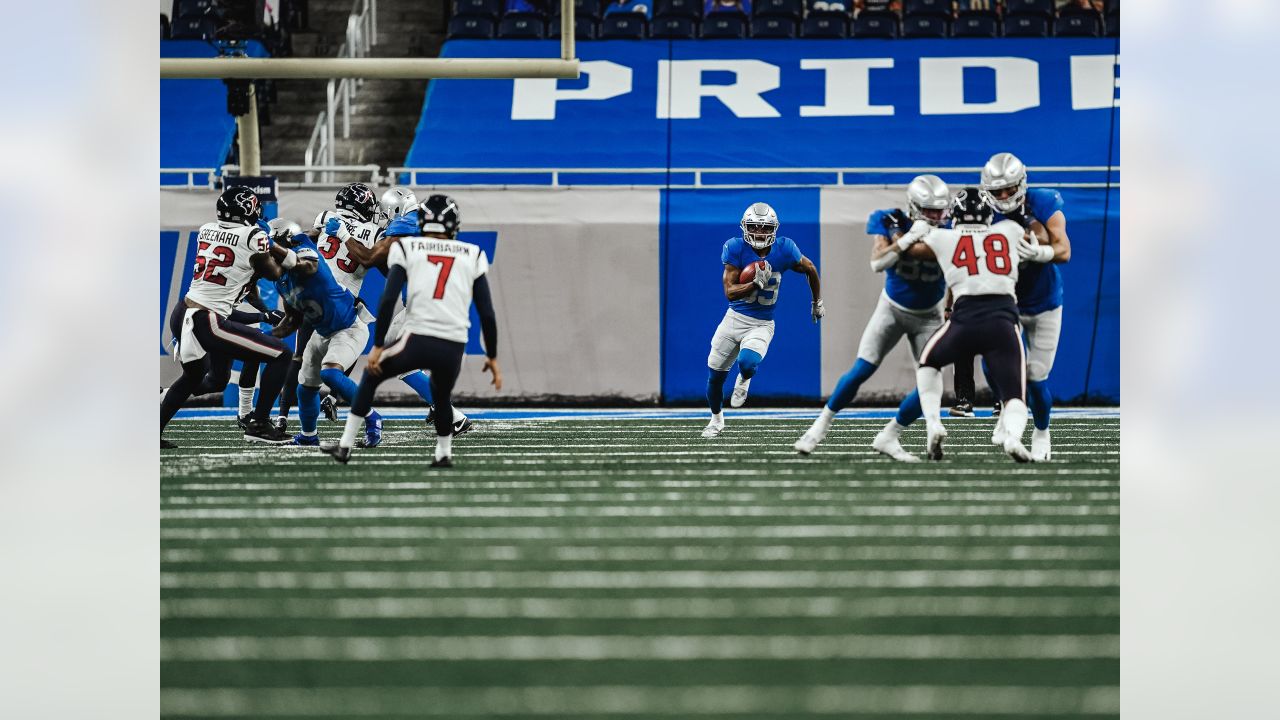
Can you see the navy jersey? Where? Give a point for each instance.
(909, 283)
(783, 255)
(404, 225)
(326, 305)
(1039, 284)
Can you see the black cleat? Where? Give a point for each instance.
(463, 425)
(281, 423)
(995, 409)
(329, 406)
(337, 452)
(243, 421)
(962, 408)
(264, 432)
(166, 445)
(444, 462)
(430, 419)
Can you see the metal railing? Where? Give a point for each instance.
(209, 183)
(361, 36)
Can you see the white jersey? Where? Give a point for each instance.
(348, 272)
(978, 259)
(223, 271)
(441, 274)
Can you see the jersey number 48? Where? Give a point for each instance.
(995, 249)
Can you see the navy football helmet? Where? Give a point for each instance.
(439, 214)
(970, 208)
(358, 199)
(240, 205)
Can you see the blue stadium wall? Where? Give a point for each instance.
(611, 288)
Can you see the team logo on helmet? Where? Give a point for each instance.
(239, 204)
(359, 199)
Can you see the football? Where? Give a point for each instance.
(749, 272)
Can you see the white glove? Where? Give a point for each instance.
(1034, 252)
(918, 230)
(762, 274)
(819, 311)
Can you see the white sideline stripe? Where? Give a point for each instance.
(652, 647)
(710, 700)
(645, 485)
(647, 533)
(594, 454)
(660, 553)
(642, 608)
(667, 497)
(641, 579)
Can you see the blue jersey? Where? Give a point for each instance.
(909, 283)
(404, 225)
(325, 304)
(1039, 284)
(783, 255)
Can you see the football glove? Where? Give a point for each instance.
(918, 230)
(819, 311)
(337, 228)
(762, 274)
(1029, 251)
(896, 221)
(273, 316)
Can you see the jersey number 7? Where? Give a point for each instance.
(995, 247)
(446, 266)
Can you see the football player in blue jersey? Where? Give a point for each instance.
(747, 328)
(341, 330)
(1004, 187)
(910, 305)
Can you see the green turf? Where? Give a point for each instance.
(629, 568)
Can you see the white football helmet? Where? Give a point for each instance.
(759, 226)
(396, 202)
(928, 193)
(281, 224)
(1003, 170)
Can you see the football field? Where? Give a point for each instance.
(615, 564)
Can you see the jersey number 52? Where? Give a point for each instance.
(210, 259)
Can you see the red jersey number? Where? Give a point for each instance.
(210, 259)
(446, 266)
(329, 247)
(995, 248)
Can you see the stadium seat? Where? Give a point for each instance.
(826, 25)
(471, 28)
(1026, 26)
(875, 25)
(1078, 26)
(778, 8)
(975, 25)
(522, 26)
(491, 9)
(585, 28)
(623, 26)
(927, 8)
(691, 9)
(773, 27)
(924, 26)
(674, 27)
(194, 27)
(182, 8)
(1113, 22)
(1042, 8)
(581, 9)
(724, 26)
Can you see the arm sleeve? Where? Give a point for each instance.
(488, 320)
(396, 278)
(246, 318)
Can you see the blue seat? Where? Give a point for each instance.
(691, 9)
(522, 26)
(724, 26)
(584, 28)
(1078, 26)
(674, 27)
(975, 25)
(826, 25)
(1043, 8)
(475, 27)
(194, 27)
(581, 9)
(477, 8)
(924, 26)
(623, 26)
(778, 8)
(1026, 26)
(773, 27)
(927, 8)
(875, 25)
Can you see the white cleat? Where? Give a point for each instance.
(999, 435)
(739, 397)
(1014, 448)
(808, 442)
(887, 443)
(715, 427)
(937, 434)
(1040, 445)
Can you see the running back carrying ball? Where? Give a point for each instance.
(748, 273)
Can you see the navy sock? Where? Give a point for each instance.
(1040, 401)
(715, 390)
(748, 361)
(847, 388)
(308, 408)
(421, 384)
(341, 385)
(909, 410)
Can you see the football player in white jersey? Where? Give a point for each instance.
(443, 276)
(354, 217)
(230, 253)
(980, 263)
